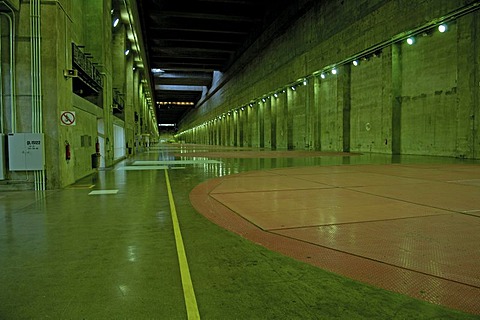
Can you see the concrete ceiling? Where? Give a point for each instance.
(187, 40)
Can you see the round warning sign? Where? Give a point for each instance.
(67, 118)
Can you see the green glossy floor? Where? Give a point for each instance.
(74, 254)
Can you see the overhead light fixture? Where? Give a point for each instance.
(304, 82)
(334, 71)
(322, 75)
(355, 63)
(115, 22)
(293, 88)
(127, 52)
(442, 28)
(263, 100)
(275, 95)
(411, 40)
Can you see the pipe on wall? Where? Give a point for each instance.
(36, 81)
(13, 104)
(2, 125)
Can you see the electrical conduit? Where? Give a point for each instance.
(36, 79)
(13, 104)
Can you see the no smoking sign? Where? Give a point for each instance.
(67, 118)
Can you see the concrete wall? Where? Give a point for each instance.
(403, 99)
(88, 24)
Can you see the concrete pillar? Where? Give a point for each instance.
(261, 123)
(235, 128)
(468, 37)
(96, 21)
(267, 122)
(396, 98)
(253, 123)
(228, 121)
(289, 109)
(128, 115)
(316, 115)
(344, 101)
(280, 104)
(241, 128)
(310, 114)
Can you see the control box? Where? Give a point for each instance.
(26, 151)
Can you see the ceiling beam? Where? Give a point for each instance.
(204, 15)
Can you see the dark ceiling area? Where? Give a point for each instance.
(187, 40)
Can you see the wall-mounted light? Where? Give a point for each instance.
(411, 40)
(442, 28)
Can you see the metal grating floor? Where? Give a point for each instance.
(412, 229)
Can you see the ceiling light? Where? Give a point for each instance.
(127, 52)
(411, 40)
(334, 71)
(322, 75)
(115, 22)
(355, 63)
(305, 82)
(293, 88)
(275, 95)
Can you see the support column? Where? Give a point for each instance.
(316, 115)
(344, 101)
(468, 143)
(396, 98)
(261, 123)
(289, 118)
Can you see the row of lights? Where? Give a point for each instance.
(116, 22)
(178, 103)
(322, 74)
(441, 28)
(147, 96)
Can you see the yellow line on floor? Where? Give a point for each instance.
(188, 293)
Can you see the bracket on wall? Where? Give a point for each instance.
(70, 73)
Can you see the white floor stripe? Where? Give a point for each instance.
(132, 168)
(174, 162)
(99, 192)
